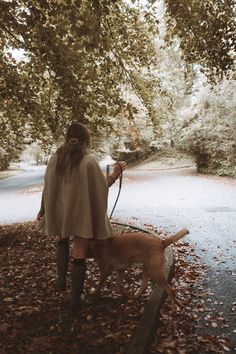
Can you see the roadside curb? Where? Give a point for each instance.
(145, 331)
(163, 169)
(10, 173)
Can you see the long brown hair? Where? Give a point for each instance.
(72, 151)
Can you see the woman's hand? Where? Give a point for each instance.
(40, 215)
(118, 168)
(42, 210)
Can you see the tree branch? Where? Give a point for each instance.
(16, 39)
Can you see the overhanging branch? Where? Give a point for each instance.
(4, 29)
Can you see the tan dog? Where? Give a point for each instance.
(121, 251)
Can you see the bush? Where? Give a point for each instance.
(209, 129)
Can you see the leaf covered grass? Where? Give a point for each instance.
(36, 319)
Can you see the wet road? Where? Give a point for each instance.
(169, 200)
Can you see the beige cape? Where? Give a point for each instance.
(77, 207)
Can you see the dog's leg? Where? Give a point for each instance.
(156, 272)
(144, 284)
(103, 275)
(170, 291)
(159, 278)
(120, 281)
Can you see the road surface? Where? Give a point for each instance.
(171, 200)
(18, 201)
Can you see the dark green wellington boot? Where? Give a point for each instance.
(78, 276)
(62, 264)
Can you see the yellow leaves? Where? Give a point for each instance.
(60, 2)
(8, 299)
(202, 37)
(68, 43)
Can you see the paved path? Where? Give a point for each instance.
(207, 207)
(18, 203)
(32, 175)
(170, 200)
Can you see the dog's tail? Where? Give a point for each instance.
(175, 237)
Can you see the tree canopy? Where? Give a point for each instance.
(79, 56)
(207, 32)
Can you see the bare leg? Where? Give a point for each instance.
(80, 247)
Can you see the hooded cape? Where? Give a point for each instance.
(78, 206)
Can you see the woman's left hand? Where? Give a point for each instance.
(40, 215)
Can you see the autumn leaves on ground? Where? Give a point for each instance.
(36, 319)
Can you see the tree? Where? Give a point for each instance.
(207, 32)
(80, 56)
(207, 128)
(79, 53)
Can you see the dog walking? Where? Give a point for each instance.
(74, 204)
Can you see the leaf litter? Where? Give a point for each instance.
(36, 319)
(183, 332)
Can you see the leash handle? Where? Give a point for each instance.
(120, 179)
(107, 170)
(120, 185)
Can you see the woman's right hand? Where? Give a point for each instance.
(118, 168)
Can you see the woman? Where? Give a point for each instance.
(74, 203)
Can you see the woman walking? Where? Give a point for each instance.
(74, 203)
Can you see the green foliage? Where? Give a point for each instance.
(78, 54)
(207, 32)
(83, 58)
(209, 129)
(11, 115)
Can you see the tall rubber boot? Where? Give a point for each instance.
(78, 276)
(62, 264)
